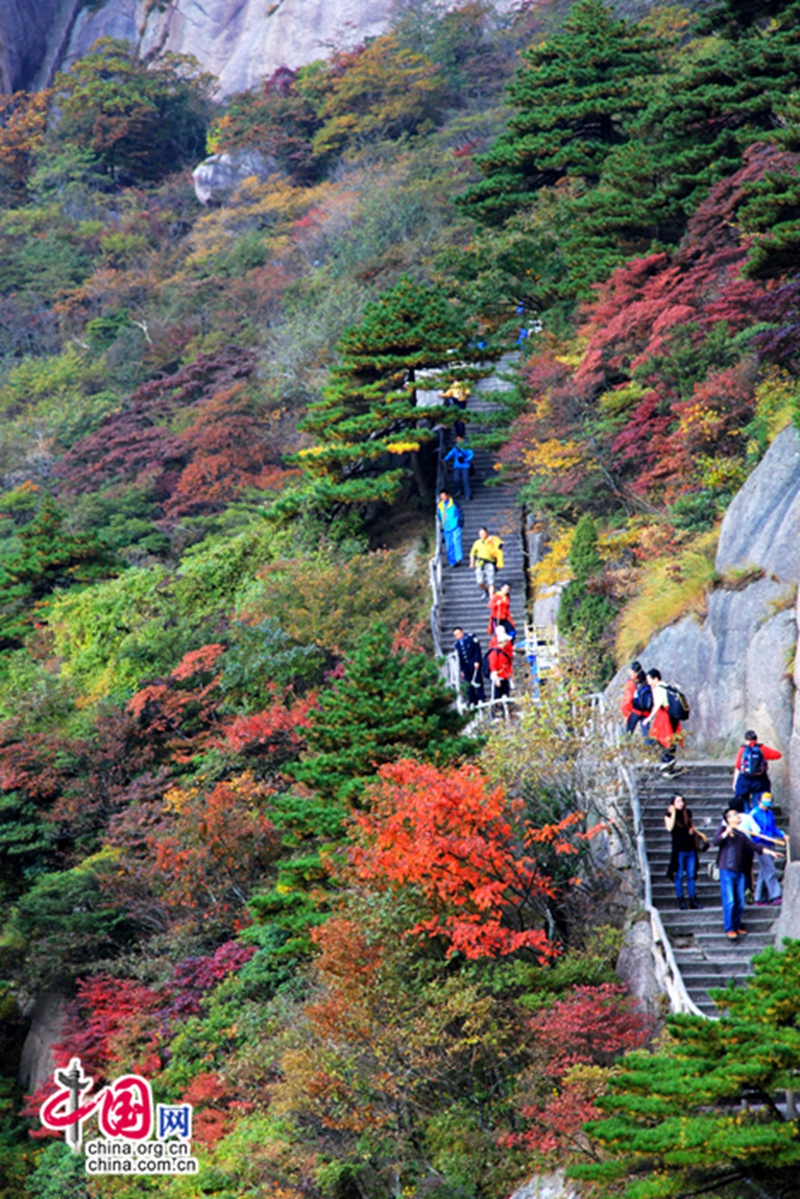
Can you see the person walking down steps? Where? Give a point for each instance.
(461, 457)
(683, 862)
(486, 556)
(451, 521)
(751, 773)
(637, 698)
(500, 660)
(662, 726)
(499, 606)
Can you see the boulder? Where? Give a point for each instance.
(548, 1186)
(218, 176)
(636, 968)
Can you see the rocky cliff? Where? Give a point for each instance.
(737, 665)
(240, 41)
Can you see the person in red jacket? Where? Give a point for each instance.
(500, 611)
(634, 695)
(501, 663)
(750, 774)
(660, 726)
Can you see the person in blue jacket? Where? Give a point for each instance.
(450, 522)
(769, 843)
(461, 456)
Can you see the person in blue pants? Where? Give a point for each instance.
(735, 862)
(450, 522)
(461, 456)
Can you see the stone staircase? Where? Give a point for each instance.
(705, 956)
(496, 507)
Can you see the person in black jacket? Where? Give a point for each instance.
(468, 649)
(735, 862)
(683, 861)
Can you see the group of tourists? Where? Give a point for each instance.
(658, 708)
(747, 835)
(497, 665)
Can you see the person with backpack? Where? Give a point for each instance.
(468, 649)
(450, 522)
(751, 774)
(663, 724)
(461, 457)
(637, 698)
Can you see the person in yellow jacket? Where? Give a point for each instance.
(486, 557)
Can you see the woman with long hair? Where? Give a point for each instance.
(683, 862)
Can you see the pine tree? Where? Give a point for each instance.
(368, 417)
(772, 210)
(48, 557)
(575, 98)
(386, 707)
(700, 1116)
(692, 134)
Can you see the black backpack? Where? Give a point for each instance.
(677, 704)
(753, 761)
(643, 698)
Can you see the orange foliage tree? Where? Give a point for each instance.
(464, 849)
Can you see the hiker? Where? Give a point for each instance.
(769, 843)
(500, 612)
(461, 456)
(468, 649)
(637, 698)
(486, 556)
(735, 863)
(661, 726)
(500, 660)
(450, 522)
(683, 861)
(751, 774)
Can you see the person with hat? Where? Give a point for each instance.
(501, 663)
(750, 774)
(768, 841)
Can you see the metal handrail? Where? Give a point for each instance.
(668, 971)
(435, 563)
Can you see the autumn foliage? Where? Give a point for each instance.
(461, 845)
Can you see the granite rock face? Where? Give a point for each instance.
(25, 30)
(239, 41)
(736, 664)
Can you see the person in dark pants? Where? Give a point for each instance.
(735, 862)
(468, 649)
(683, 862)
(751, 773)
(461, 456)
